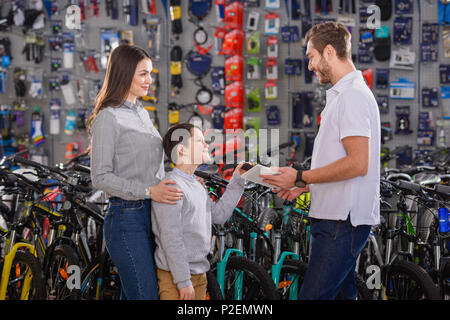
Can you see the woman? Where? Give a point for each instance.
(127, 162)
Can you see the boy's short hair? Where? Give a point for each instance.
(179, 133)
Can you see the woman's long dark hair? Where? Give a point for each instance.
(120, 71)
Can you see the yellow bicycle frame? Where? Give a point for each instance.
(9, 258)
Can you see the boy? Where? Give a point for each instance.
(183, 231)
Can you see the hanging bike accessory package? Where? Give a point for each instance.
(252, 21)
(272, 24)
(443, 12)
(176, 57)
(252, 43)
(131, 12)
(385, 9)
(381, 78)
(402, 89)
(271, 69)
(253, 68)
(273, 116)
(253, 97)
(218, 80)
(37, 128)
(368, 77)
(403, 59)
(234, 68)
(175, 17)
(404, 7)
(234, 119)
(430, 97)
(272, 47)
(403, 31)
(19, 82)
(235, 95)
(233, 42)
(270, 90)
(383, 103)
(70, 125)
(382, 44)
(112, 9)
(198, 64)
(402, 124)
(293, 67)
(198, 9)
(202, 41)
(67, 89)
(218, 116)
(444, 74)
(55, 116)
(234, 15)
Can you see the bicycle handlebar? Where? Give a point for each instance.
(38, 165)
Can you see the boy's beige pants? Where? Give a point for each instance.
(168, 290)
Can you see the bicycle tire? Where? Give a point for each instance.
(363, 291)
(37, 289)
(423, 281)
(90, 278)
(257, 283)
(291, 267)
(213, 291)
(56, 279)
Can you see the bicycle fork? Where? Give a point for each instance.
(222, 264)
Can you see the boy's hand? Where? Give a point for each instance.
(239, 170)
(187, 293)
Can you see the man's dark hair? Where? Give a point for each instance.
(179, 133)
(331, 33)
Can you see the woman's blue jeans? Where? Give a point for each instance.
(331, 268)
(130, 242)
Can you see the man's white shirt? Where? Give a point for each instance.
(351, 110)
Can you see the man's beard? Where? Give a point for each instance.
(323, 70)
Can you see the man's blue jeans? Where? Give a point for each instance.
(331, 268)
(130, 242)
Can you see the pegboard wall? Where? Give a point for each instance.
(88, 41)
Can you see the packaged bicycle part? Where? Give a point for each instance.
(253, 68)
(402, 89)
(252, 21)
(153, 29)
(253, 98)
(383, 103)
(430, 97)
(109, 40)
(37, 128)
(381, 78)
(272, 47)
(252, 43)
(273, 116)
(271, 69)
(55, 116)
(402, 124)
(70, 125)
(234, 68)
(272, 24)
(271, 90)
(218, 80)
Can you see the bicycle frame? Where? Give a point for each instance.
(7, 264)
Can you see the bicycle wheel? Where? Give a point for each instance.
(213, 291)
(291, 279)
(23, 263)
(58, 287)
(404, 280)
(256, 282)
(100, 280)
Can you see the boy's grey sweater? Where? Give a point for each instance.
(183, 231)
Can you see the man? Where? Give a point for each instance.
(345, 168)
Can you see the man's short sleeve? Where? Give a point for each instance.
(354, 116)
